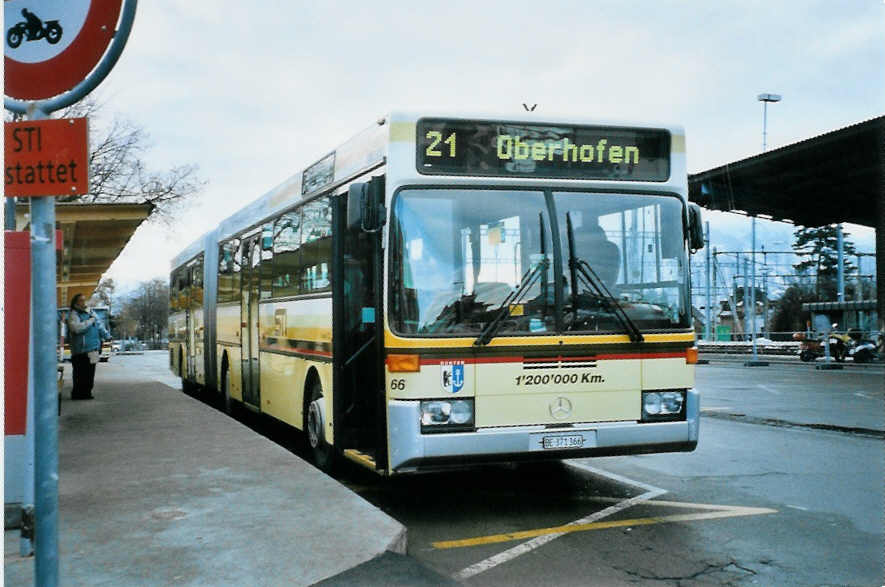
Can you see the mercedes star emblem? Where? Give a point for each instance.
(560, 408)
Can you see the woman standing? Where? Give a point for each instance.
(86, 333)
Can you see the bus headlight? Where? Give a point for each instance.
(446, 415)
(663, 405)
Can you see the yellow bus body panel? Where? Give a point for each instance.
(513, 390)
(296, 336)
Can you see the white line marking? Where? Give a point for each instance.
(862, 394)
(615, 477)
(512, 553)
(796, 507)
(717, 409)
(768, 389)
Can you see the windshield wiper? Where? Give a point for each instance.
(514, 297)
(578, 268)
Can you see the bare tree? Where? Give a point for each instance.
(147, 311)
(117, 172)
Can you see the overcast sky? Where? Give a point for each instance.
(253, 92)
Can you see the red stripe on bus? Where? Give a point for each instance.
(609, 357)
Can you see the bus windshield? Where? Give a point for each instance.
(463, 258)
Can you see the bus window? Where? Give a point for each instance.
(196, 294)
(316, 247)
(173, 291)
(624, 238)
(286, 252)
(236, 270)
(458, 255)
(266, 270)
(225, 272)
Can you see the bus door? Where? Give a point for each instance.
(251, 259)
(360, 402)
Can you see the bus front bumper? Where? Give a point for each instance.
(410, 450)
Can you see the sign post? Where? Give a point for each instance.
(55, 53)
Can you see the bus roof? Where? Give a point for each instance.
(363, 151)
(533, 118)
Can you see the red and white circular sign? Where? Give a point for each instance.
(50, 46)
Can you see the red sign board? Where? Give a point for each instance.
(46, 158)
(17, 290)
(50, 47)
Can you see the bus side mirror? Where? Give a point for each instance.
(365, 205)
(695, 228)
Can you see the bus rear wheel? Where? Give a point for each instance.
(321, 451)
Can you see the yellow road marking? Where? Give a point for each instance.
(715, 512)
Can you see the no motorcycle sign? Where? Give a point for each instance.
(50, 46)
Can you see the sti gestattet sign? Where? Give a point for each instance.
(46, 157)
(50, 46)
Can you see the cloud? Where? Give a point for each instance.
(252, 93)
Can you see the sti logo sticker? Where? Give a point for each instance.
(452, 373)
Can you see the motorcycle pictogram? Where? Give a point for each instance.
(33, 29)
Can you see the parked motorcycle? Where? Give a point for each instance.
(864, 351)
(840, 345)
(51, 31)
(810, 348)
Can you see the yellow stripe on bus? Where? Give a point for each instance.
(402, 131)
(393, 341)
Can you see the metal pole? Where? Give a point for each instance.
(737, 321)
(765, 99)
(764, 123)
(26, 535)
(746, 297)
(45, 387)
(840, 246)
(9, 214)
(858, 294)
(708, 313)
(753, 291)
(765, 328)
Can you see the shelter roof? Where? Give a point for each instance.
(93, 235)
(831, 178)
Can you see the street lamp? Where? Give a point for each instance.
(765, 99)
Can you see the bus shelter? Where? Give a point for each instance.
(93, 236)
(831, 178)
(90, 237)
(855, 315)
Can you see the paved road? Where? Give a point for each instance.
(785, 488)
(761, 501)
(796, 393)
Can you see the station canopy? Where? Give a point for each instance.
(93, 236)
(832, 178)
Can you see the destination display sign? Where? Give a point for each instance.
(518, 149)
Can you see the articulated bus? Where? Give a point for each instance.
(444, 290)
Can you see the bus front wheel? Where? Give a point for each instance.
(321, 451)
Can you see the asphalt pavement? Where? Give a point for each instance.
(156, 487)
(788, 392)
